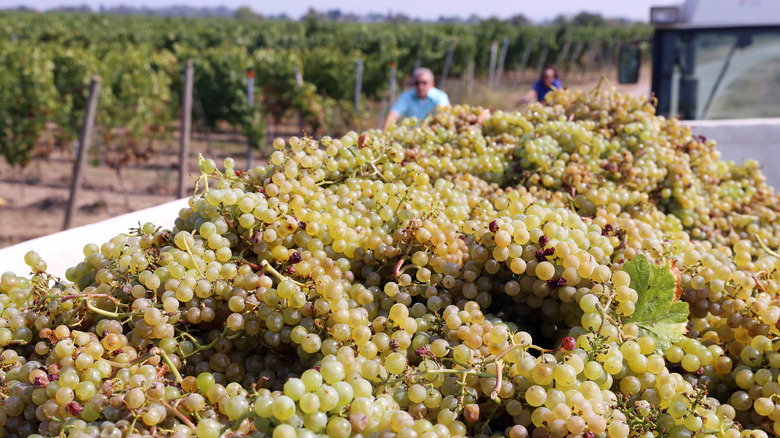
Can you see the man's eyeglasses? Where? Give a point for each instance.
(418, 83)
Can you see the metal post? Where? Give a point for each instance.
(250, 99)
(447, 63)
(393, 70)
(524, 60)
(387, 102)
(382, 110)
(470, 79)
(562, 53)
(299, 84)
(358, 84)
(542, 59)
(602, 58)
(186, 128)
(501, 60)
(590, 57)
(460, 89)
(575, 55)
(492, 66)
(85, 140)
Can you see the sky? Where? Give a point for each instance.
(535, 10)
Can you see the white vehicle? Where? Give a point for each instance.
(714, 59)
(716, 64)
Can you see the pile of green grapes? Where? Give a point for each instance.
(581, 268)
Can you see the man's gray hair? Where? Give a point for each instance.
(419, 71)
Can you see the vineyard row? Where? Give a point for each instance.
(307, 67)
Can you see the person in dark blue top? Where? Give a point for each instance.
(547, 82)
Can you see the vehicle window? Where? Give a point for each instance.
(738, 75)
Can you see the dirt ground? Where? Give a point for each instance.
(33, 201)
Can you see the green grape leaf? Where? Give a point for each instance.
(657, 313)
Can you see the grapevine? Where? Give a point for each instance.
(48, 60)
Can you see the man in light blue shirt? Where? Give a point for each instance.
(420, 101)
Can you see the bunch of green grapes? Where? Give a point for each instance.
(450, 279)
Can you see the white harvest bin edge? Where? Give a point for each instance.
(64, 249)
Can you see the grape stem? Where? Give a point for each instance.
(202, 176)
(376, 170)
(445, 371)
(223, 335)
(200, 348)
(604, 312)
(178, 413)
(700, 393)
(397, 271)
(500, 364)
(113, 299)
(490, 417)
(264, 265)
(238, 420)
(191, 337)
(764, 247)
(62, 426)
(235, 335)
(404, 268)
(499, 376)
(243, 260)
(167, 360)
(605, 316)
(137, 360)
(463, 391)
(520, 347)
(758, 283)
(451, 371)
(192, 256)
(100, 311)
(135, 420)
